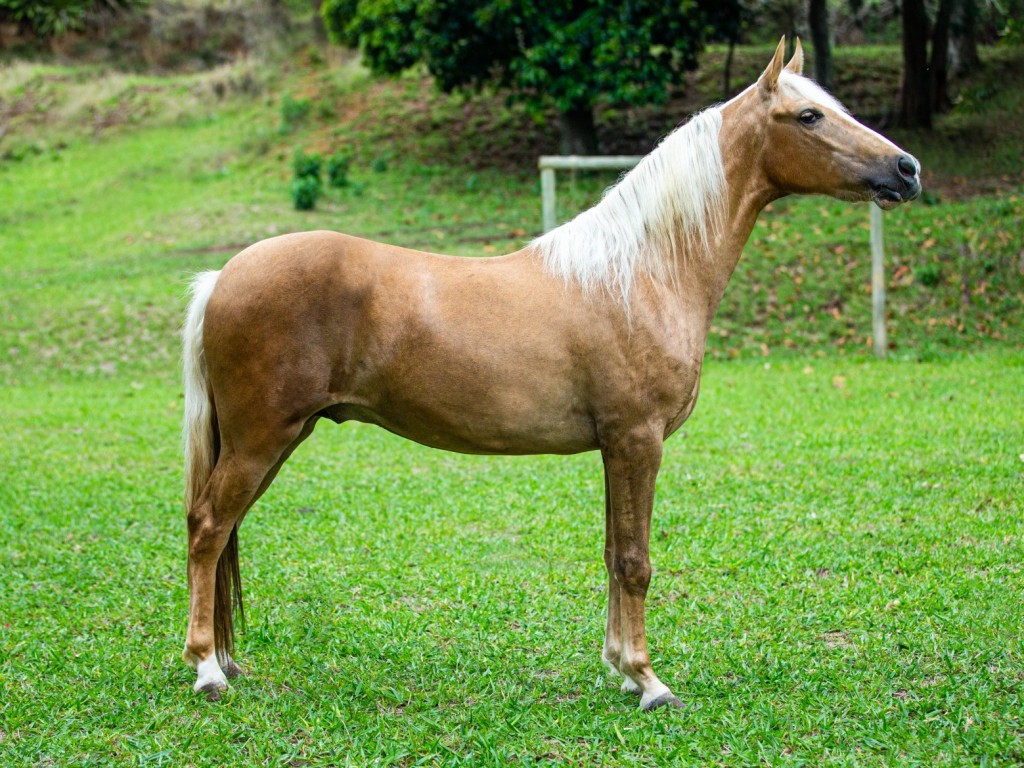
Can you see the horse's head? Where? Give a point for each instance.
(813, 146)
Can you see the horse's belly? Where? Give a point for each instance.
(500, 422)
(472, 429)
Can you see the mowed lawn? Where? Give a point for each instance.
(837, 553)
(837, 541)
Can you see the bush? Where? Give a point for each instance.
(930, 274)
(307, 166)
(337, 170)
(305, 191)
(306, 186)
(293, 112)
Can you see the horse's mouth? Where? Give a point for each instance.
(887, 198)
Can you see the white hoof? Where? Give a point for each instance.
(629, 686)
(209, 678)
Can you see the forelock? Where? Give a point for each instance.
(808, 89)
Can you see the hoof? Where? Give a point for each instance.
(212, 691)
(665, 700)
(628, 686)
(211, 680)
(232, 670)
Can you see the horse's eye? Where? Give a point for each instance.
(810, 116)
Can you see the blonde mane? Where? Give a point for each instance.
(667, 209)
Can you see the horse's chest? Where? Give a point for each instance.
(675, 385)
(686, 405)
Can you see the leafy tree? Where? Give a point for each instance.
(45, 18)
(563, 53)
(54, 17)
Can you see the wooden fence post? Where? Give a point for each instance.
(547, 193)
(548, 164)
(878, 283)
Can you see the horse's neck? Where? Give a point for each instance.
(748, 192)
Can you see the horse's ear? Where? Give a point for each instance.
(770, 77)
(796, 64)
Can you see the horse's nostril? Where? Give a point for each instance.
(907, 166)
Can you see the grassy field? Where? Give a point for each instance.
(837, 540)
(837, 549)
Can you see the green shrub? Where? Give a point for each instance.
(306, 186)
(325, 109)
(293, 112)
(305, 191)
(307, 166)
(337, 170)
(1013, 32)
(930, 274)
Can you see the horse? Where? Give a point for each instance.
(591, 337)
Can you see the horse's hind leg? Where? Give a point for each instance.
(238, 479)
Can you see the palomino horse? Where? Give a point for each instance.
(589, 338)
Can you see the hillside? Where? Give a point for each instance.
(115, 186)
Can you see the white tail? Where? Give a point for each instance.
(200, 440)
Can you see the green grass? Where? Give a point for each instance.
(837, 541)
(837, 549)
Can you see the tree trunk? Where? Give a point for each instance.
(319, 30)
(727, 75)
(940, 57)
(579, 134)
(817, 18)
(965, 37)
(915, 96)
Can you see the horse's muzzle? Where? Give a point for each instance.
(900, 183)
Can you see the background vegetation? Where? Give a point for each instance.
(837, 540)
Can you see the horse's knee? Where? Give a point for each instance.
(609, 560)
(632, 569)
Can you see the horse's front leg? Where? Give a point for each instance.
(631, 467)
(611, 655)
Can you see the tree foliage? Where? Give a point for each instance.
(45, 17)
(54, 17)
(563, 53)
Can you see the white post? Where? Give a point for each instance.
(878, 282)
(547, 194)
(548, 164)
